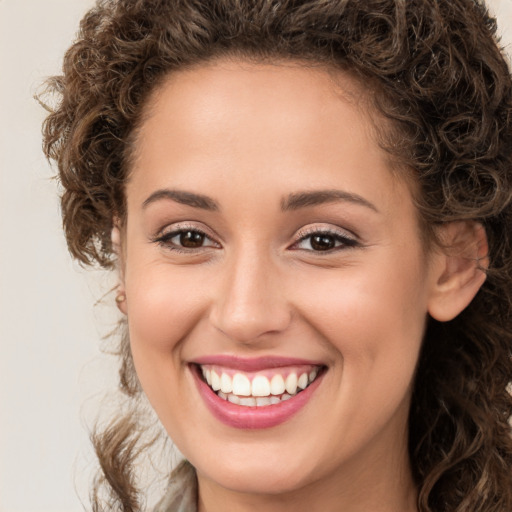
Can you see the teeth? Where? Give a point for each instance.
(303, 381)
(277, 385)
(241, 385)
(291, 383)
(215, 381)
(250, 401)
(260, 386)
(261, 391)
(226, 385)
(233, 399)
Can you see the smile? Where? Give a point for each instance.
(256, 393)
(258, 389)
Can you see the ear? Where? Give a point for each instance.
(458, 268)
(118, 250)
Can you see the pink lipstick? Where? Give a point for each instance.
(256, 393)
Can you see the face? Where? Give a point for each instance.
(270, 251)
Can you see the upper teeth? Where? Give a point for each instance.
(283, 381)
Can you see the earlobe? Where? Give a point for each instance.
(121, 301)
(117, 248)
(458, 268)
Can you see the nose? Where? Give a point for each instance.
(250, 301)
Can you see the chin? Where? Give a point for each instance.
(258, 478)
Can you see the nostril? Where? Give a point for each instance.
(249, 329)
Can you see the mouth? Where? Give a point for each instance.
(258, 389)
(260, 393)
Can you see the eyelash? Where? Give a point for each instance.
(342, 239)
(345, 241)
(165, 239)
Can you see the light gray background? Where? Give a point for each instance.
(52, 373)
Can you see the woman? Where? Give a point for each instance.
(308, 204)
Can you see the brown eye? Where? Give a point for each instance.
(325, 241)
(322, 242)
(186, 239)
(191, 239)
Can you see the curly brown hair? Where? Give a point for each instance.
(438, 75)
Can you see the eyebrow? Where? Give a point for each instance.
(312, 198)
(182, 197)
(294, 201)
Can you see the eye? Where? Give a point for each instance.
(189, 239)
(185, 239)
(324, 241)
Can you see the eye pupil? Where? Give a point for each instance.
(191, 239)
(322, 242)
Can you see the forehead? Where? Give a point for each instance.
(244, 78)
(229, 98)
(235, 122)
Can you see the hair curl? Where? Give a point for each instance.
(440, 78)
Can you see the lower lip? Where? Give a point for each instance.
(246, 417)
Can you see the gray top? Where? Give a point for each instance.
(181, 495)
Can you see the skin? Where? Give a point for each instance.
(248, 136)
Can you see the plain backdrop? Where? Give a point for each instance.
(52, 373)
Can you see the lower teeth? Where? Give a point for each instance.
(251, 401)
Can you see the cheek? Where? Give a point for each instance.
(374, 317)
(162, 305)
(163, 309)
(385, 294)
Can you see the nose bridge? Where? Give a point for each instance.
(251, 301)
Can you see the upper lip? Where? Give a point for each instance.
(253, 364)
